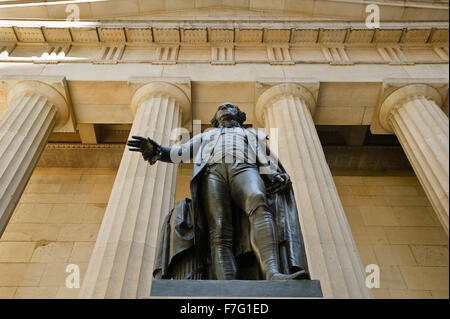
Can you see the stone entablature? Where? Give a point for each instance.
(354, 10)
(221, 42)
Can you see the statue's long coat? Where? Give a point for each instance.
(183, 247)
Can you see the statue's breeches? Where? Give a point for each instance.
(222, 184)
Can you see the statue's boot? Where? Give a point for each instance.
(296, 275)
(264, 243)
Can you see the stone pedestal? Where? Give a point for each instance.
(237, 288)
(413, 114)
(121, 265)
(35, 108)
(331, 251)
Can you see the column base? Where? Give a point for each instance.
(237, 288)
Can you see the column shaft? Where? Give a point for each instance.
(24, 130)
(121, 265)
(332, 254)
(423, 131)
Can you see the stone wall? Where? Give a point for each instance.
(395, 227)
(58, 217)
(55, 224)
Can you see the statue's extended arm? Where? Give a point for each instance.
(153, 152)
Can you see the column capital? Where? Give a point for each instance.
(22, 88)
(282, 90)
(155, 89)
(401, 96)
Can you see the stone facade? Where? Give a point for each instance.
(361, 119)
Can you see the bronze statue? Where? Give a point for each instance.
(242, 206)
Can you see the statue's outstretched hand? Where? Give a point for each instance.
(149, 149)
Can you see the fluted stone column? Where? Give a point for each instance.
(35, 108)
(413, 114)
(331, 251)
(121, 264)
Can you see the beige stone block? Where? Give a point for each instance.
(417, 235)
(180, 4)
(406, 201)
(344, 190)
(339, 116)
(379, 293)
(377, 201)
(16, 251)
(100, 194)
(391, 278)
(394, 255)
(20, 274)
(54, 178)
(67, 293)
(78, 232)
(307, 54)
(440, 294)
(31, 213)
(42, 188)
(425, 278)
(52, 252)
(155, 5)
(370, 235)
(354, 218)
(120, 8)
(378, 216)
(355, 200)
(367, 254)
(36, 293)
(93, 213)
(430, 255)
(55, 274)
(66, 214)
(98, 179)
(401, 190)
(81, 252)
(81, 188)
(59, 199)
(389, 180)
(348, 180)
(415, 216)
(30, 232)
(7, 292)
(367, 190)
(409, 294)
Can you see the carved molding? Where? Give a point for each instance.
(166, 54)
(336, 55)
(152, 89)
(216, 31)
(109, 54)
(393, 55)
(222, 54)
(279, 54)
(54, 53)
(32, 87)
(401, 96)
(269, 96)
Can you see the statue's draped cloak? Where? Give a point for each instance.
(183, 244)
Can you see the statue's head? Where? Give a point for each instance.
(228, 114)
